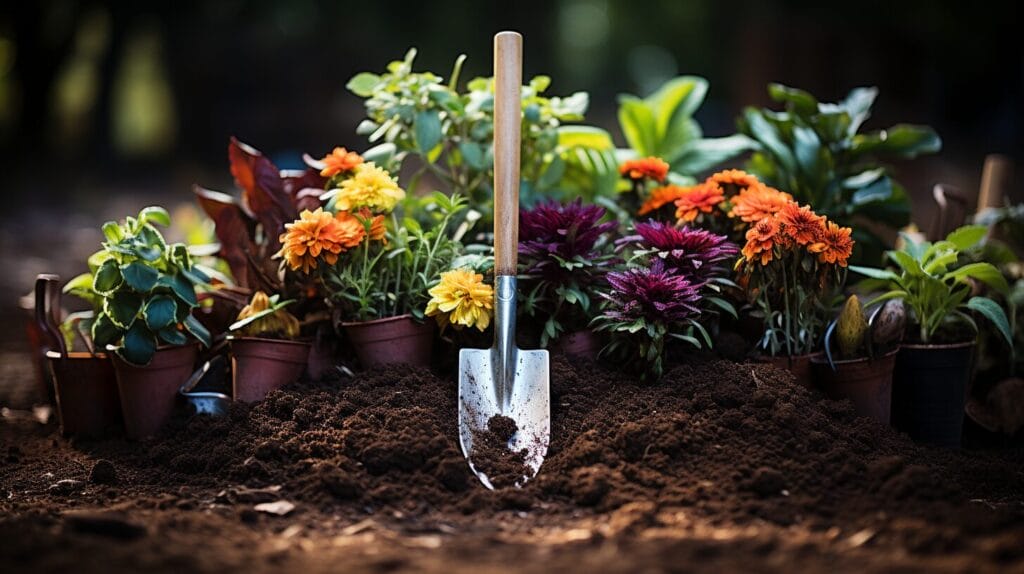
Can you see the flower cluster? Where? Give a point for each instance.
(319, 236)
(684, 249)
(551, 233)
(794, 228)
(655, 294)
(461, 299)
(653, 168)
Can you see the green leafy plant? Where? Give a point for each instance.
(816, 152)
(938, 292)
(662, 125)
(143, 289)
(450, 131)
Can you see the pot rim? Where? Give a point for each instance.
(77, 356)
(938, 346)
(822, 360)
(283, 342)
(791, 357)
(381, 321)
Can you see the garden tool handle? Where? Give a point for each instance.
(508, 80)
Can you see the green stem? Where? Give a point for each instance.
(398, 268)
(789, 316)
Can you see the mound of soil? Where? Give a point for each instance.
(719, 444)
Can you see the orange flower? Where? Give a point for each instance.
(318, 235)
(638, 169)
(755, 203)
(339, 161)
(661, 197)
(761, 240)
(800, 223)
(699, 199)
(833, 244)
(375, 229)
(735, 177)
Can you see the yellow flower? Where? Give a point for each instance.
(461, 299)
(369, 186)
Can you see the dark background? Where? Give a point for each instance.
(108, 106)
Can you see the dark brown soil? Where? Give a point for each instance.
(493, 457)
(723, 465)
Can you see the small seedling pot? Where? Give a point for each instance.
(799, 365)
(929, 389)
(87, 399)
(584, 344)
(867, 383)
(392, 340)
(149, 394)
(259, 366)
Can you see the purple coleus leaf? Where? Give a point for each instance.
(696, 252)
(551, 231)
(653, 294)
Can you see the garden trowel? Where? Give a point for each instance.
(505, 380)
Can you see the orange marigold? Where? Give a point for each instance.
(761, 240)
(374, 225)
(699, 199)
(318, 235)
(833, 244)
(800, 223)
(735, 177)
(650, 167)
(757, 202)
(661, 197)
(339, 161)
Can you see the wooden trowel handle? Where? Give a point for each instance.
(508, 79)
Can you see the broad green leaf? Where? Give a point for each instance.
(967, 236)
(984, 272)
(801, 101)
(105, 332)
(638, 124)
(196, 275)
(584, 136)
(122, 308)
(198, 330)
(107, 278)
(472, 154)
(160, 312)
(140, 277)
(765, 133)
(994, 313)
(363, 84)
(907, 263)
(427, 130)
(181, 287)
(97, 259)
(172, 336)
(80, 283)
(863, 178)
(903, 140)
(702, 154)
(858, 105)
(155, 214)
(883, 274)
(112, 231)
(806, 146)
(138, 346)
(879, 190)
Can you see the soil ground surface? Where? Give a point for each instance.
(721, 467)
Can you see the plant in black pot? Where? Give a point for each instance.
(860, 354)
(264, 353)
(935, 365)
(146, 291)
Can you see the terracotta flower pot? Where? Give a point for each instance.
(799, 365)
(259, 366)
(148, 394)
(584, 344)
(866, 383)
(392, 340)
(87, 400)
(929, 389)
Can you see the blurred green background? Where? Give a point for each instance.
(108, 106)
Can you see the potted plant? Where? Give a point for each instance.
(793, 262)
(564, 254)
(146, 291)
(669, 290)
(934, 366)
(859, 365)
(375, 265)
(264, 353)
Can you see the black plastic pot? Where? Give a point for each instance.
(929, 390)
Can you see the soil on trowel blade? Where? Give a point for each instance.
(716, 451)
(492, 456)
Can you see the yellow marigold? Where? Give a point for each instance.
(650, 167)
(757, 202)
(661, 197)
(340, 161)
(461, 299)
(318, 235)
(800, 223)
(699, 199)
(369, 186)
(834, 244)
(761, 240)
(735, 177)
